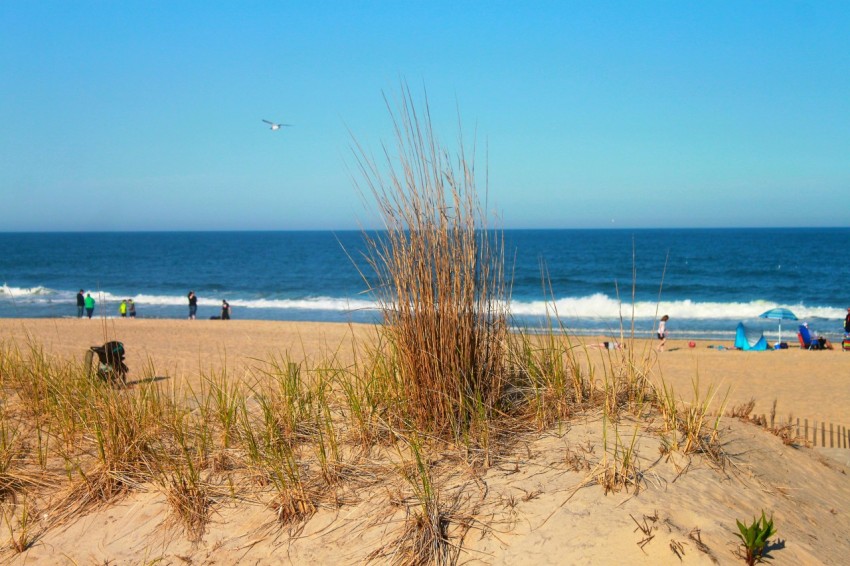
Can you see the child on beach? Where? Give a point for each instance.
(662, 332)
(122, 309)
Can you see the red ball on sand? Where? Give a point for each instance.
(692, 344)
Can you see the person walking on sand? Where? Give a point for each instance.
(662, 332)
(81, 304)
(193, 305)
(131, 308)
(225, 310)
(122, 309)
(89, 304)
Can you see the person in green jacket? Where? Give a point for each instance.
(89, 305)
(122, 309)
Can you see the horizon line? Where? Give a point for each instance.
(520, 228)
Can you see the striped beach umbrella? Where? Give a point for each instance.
(779, 314)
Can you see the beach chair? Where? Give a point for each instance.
(807, 342)
(110, 362)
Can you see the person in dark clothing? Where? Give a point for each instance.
(847, 322)
(81, 303)
(225, 310)
(193, 305)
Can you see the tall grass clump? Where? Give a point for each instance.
(437, 274)
(289, 415)
(182, 455)
(116, 446)
(689, 424)
(552, 377)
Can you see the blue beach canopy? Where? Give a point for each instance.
(744, 341)
(779, 314)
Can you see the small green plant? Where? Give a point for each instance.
(621, 471)
(20, 525)
(754, 538)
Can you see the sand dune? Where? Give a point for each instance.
(539, 503)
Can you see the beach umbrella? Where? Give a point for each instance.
(780, 315)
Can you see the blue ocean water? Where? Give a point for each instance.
(706, 280)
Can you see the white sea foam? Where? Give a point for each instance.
(604, 307)
(312, 303)
(7, 291)
(597, 306)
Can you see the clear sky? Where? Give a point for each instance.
(147, 115)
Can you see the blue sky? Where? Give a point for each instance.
(147, 115)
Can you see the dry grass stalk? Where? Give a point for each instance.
(438, 279)
(189, 500)
(742, 411)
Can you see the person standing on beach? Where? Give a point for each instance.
(193, 305)
(81, 303)
(662, 332)
(89, 304)
(131, 308)
(122, 309)
(847, 322)
(225, 310)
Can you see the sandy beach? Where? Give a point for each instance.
(805, 384)
(534, 506)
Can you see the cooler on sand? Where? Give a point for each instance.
(845, 344)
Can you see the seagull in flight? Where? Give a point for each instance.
(274, 126)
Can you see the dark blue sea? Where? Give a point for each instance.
(706, 280)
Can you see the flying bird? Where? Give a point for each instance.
(275, 126)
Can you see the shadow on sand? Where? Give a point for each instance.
(147, 380)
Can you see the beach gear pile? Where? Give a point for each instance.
(110, 365)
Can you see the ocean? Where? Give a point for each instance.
(596, 281)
